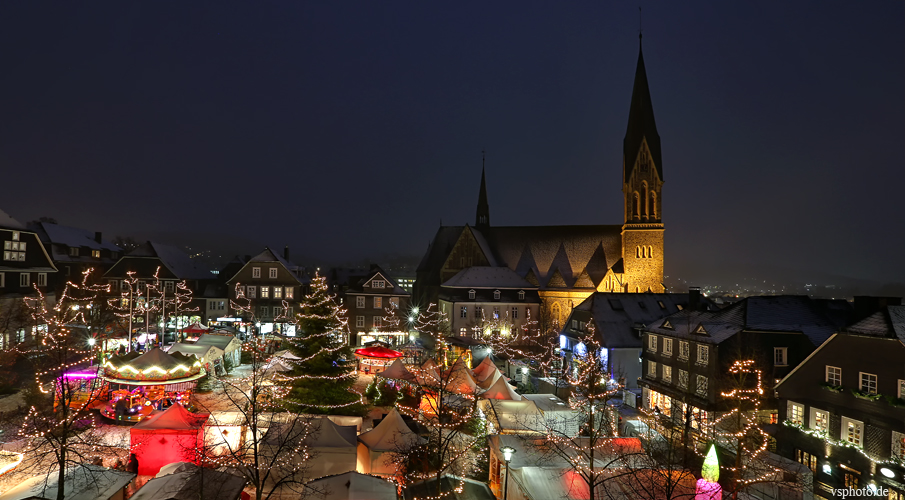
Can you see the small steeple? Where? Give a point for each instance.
(482, 218)
(641, 124)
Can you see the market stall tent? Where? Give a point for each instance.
(377, 447)
(484, 368)
(501, 390)
(195, 328)
(208, 355)
(187, 481)
(173, 435)
(459, 380)
(229, 344)
(83, 482)
(397, 371)
(491, 376)
(334, 446)
(352, 486)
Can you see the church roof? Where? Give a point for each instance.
(487, 277)
(641, 124)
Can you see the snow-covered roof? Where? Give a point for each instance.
(176, 417)
(204, 352)
(391, 434)
(83, 482)
(75, 237)
(188, 482)
(6, 221)
(352, 486)
(397, 371)
(228, 343)
(488, 277)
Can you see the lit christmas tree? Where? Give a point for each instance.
(323, 377)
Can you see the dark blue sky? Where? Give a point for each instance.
(349, 129)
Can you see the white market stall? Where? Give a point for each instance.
(377, 448)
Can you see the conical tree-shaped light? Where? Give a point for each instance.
(710, 471)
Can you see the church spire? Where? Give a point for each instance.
(482, 218)
(641, 124)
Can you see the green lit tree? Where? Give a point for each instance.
(322, 380)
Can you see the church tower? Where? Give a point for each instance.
(642, 181)
(482, 218)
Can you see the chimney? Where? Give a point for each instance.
(97, 237)
(286, 252)
(694, 297)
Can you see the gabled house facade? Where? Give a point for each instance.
(367, 301)
(25, 266)
(843, 408)
(273, 289)
(618, 321)
(686, 356)
(75, 250)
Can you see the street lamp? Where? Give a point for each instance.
(508, 451)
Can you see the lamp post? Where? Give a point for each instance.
(508, 451)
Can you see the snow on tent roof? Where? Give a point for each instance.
(391, 434)
(485, 366)
(202, 352)
(285, 354)
(175, 417)
(353, 486)
(226, 342)
(83, 482)
(397, 371)
(501, 390)
(189, 483)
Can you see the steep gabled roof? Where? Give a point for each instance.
(7, 222)
(74, 237)
(501, 390)
(488, 277)
(174, 259)
(269, 256)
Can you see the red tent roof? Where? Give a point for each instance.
(195, 328)
(378, 352)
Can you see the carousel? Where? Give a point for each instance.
(375, 359)
(155, 380)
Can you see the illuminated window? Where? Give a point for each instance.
(852, 431)
(851, 480)
(290, 292)
(15, 235)
(256, 272)
(394, 301)
(359, 321)
(684, 350)
(868, 383)
(820, 420)
(898, 445)
(667, 346)
(496, 312)
(463, 332)
(703, 355)
(833, 375)
(378, 322)
(701, 386)
(463, 312)
(651, 369)
(667, 373)
(796, 413)
(683, 379)
(378, 284)
(378, 302)
(471, 294)
(265, 292)
(807, 459)
(901, 393)
(252, 292)
(96, 254)
(360, 302)
(278, 292)
(652, 343)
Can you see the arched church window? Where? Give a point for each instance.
(653, 205)
(636, 209)
(555, 312)
(638, 252)
(650, 251)
(645, 209)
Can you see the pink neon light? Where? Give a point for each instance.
(80, 375)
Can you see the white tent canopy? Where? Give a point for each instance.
(492, 376)
(513, 417)
(335, 446)
(205, 353)
(501, 390)
(377, 446)
(397, 371)
(460, 381)
(352, 486)
(484, 368)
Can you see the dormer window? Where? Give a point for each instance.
(96, 254)
(73, 251)
(700, 330)
(378, 284)
(496, 295)
(471, 294)
(521, 295)
(667, 325)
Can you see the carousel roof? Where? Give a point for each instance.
(154, 366)
(397, 371)
(162, 360)
(378, 352)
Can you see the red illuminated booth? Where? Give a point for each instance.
(375, 359)
(173, 435)
(154, 380)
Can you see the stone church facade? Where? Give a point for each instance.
(567, 264)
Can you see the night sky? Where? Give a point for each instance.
(349, 130)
